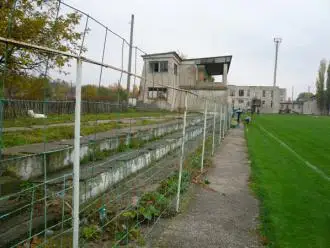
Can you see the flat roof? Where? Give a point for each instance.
(166, 53)
(213, 65)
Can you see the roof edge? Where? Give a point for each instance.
(165, 53)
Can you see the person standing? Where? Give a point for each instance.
(239, 112)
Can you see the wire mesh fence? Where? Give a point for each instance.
(95, 169)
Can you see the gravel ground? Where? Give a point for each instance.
(224, 215)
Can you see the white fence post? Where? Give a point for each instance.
(182, 152)
(220, 125)
(204, 135)
(76, 162)
(213, 135)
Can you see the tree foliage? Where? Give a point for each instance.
(320, 81)
(35, 22)
(328, 89)
(304, 96)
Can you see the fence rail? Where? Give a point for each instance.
(19, 108)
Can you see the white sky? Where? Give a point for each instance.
(242, 28)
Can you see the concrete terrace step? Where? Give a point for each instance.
(15, 227)
(68, 124)
(30, 159)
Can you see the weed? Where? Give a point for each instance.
(91, 232)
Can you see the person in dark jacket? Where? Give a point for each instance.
(239, 112)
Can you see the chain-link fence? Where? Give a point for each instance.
(87, 166)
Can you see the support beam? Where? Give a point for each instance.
(224, 75)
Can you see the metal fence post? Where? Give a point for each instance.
(182, 152)
(204, 135)
(213, 135)
(224, 121)
(229, 118)
(220, 125)
(76, 162)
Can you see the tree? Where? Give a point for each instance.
(328, 89)
(181, 54)
(320, 92)
(304, 96)
(35, 22)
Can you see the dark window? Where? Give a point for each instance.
(263, 93)
(232, 93)
(248, 93)
(156, 66)
(248, 104)
(263, 102)
(175, 69)
(163, 66)
(241, 92)
(157, 93)
(240, 101)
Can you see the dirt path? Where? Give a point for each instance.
(224, 216)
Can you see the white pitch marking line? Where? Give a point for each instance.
(313, 167)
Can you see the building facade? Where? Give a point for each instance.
(268, 97)
(164, 73)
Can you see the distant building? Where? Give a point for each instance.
(262, 96)
(162, 72)
(306, 107)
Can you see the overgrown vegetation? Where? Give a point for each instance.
(294, 198)
(67, 132)
(66, 118)
(126, 228)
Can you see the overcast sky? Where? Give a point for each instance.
(242, 28)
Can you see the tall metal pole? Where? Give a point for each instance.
(130, 57)
(204, 135)
(76, 161)
(277, 43)
(182, 152)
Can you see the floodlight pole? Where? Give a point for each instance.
(277, 42)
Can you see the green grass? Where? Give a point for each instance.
(64, 118)
(295, 200)
(11, 139)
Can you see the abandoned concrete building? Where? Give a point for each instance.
(161, 71)
(245, 96)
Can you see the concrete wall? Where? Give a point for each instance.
(311, 108)
(306, 108)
